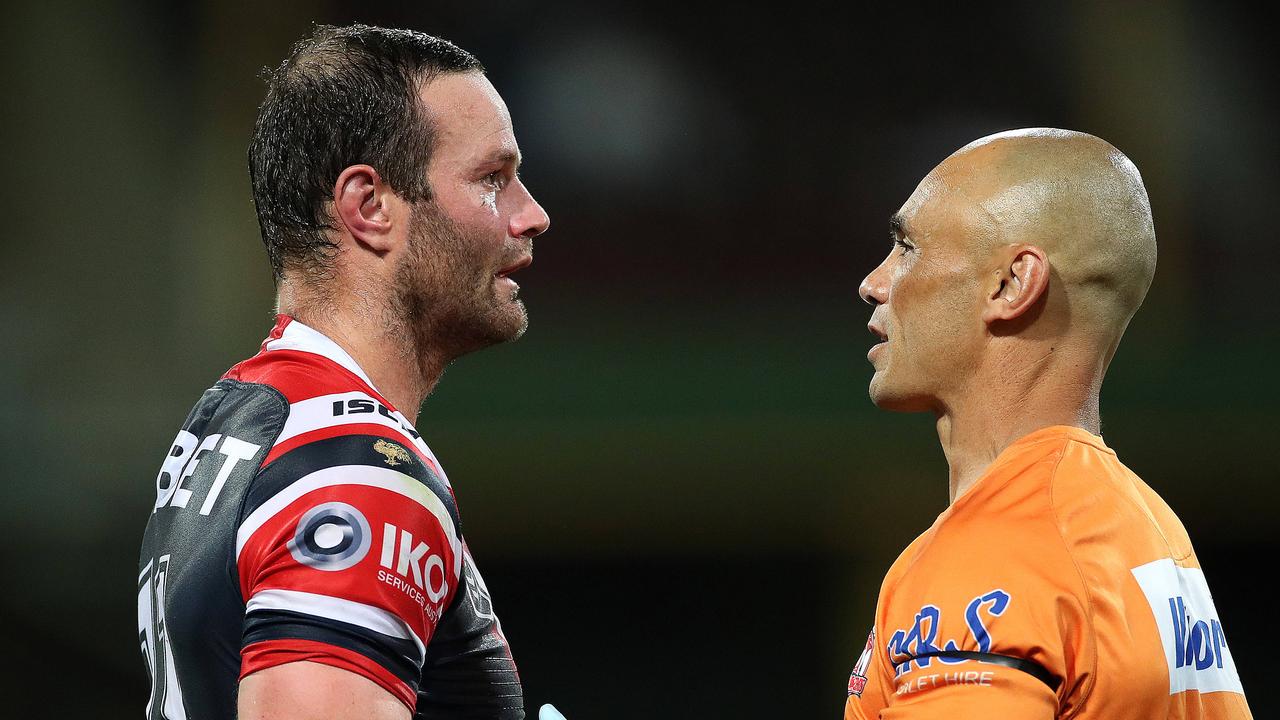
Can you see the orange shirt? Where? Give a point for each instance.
(1061, 556)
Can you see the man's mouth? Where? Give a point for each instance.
(879, 333)
(520, 264)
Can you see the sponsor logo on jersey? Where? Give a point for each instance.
(924, 682)
(393, 453)
(478, 592)
(1195, 645)
(190, 453)
(858, 678)
(333, 536)
(413, 570)
(366, 405)
(905, 646)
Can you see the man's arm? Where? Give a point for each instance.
(973, 690)
(469, 671)
(345, 561)
(312, 691)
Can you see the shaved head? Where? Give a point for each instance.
(1076, 197)
(1021, 254)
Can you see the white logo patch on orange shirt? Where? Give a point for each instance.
(1194, 644)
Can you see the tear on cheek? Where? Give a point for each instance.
(489, 201)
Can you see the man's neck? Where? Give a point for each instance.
(975, 430)
(400, 371)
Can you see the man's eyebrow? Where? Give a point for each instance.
(897, 225)
(505, 156)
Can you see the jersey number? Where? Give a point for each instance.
(166, 693)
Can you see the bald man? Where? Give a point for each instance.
(1057, 584)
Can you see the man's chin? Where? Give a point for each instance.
(506, 324)
(519, 321)
(893, 399)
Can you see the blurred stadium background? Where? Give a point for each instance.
(678, 491)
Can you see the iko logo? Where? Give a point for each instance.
(1195, 646)
(332, 536)
(906, 645)
(426, 572)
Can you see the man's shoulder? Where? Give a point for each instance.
(295, 374)
(1004, 522)
(963, 556)
(998, 544)
(1105, 513)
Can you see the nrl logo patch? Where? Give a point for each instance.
(858, 678)
(393, 453)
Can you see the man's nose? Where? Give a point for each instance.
(874, 289)
(531, 220)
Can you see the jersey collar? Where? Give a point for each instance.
(290, 334)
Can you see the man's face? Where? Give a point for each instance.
(926, 295)
(477, 228)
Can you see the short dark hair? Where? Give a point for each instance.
(343, 96)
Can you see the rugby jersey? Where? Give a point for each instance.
(300, 516)
(1059, 586)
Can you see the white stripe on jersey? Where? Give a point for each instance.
(318, 413)
(364, 475)
(332, 608)
(300, 337)
(297, 336)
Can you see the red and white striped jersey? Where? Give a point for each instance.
(300, 516)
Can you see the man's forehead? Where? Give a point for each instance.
(922, 204)
(465, 108)
(940, 206)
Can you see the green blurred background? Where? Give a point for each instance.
(678, 491)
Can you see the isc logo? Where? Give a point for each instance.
(368, 406)
(412, 562)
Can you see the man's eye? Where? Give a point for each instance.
(902, 246)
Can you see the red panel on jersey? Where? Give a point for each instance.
(351, 555)
(300, 375)
(262, 655)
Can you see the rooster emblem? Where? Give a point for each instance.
(393, 453)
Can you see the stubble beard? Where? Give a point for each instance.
(445, 302)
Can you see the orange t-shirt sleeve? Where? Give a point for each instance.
(870, 684)
(951, 691)
(971, 689)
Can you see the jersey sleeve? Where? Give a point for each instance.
(347, 556)
(967, 689)
(469, 670)
(969, 626)
(918, 674)
(869, 685)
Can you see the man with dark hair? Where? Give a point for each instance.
(1057, 584)
(304, 557)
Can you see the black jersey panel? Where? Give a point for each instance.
(188, 589)
(469, 672)
(346, 450)
(397, 655)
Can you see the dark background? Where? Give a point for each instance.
(678, 491)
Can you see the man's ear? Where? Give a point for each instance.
(362, 202)
(1020, 281)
